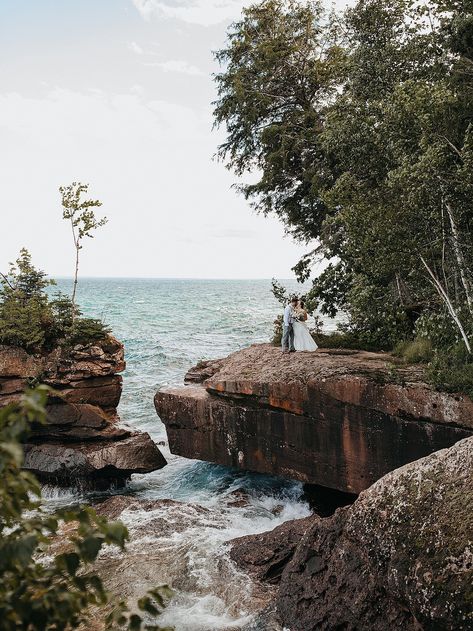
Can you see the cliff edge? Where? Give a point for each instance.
(339, 419)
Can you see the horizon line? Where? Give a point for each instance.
(60, 277)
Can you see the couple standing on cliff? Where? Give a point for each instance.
(296, 335)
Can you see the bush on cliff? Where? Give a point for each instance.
(418, 351)
(31, 320)
(452, 371)
(40, 589)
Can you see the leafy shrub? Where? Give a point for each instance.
(85, 330)
(418, 351)
(439, 329)
(25, 314)
(452, 371)
(277, 331)
(30, 320)
(344, 339)
(37, 595)
(63, 315)
(24, 325)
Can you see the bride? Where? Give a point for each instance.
(303, 340)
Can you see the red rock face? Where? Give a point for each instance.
(85, 374)
(332, 419)
(81, 440)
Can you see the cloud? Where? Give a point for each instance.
(235, 233)
(135, 48)
(202, 12)
(175, 65)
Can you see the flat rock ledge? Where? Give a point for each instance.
(339, 419)
(82, 442)
(400, 558)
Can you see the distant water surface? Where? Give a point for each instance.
(167, 326)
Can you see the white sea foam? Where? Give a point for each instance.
(167, 326)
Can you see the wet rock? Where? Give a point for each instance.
(178, 544)
(104, 462)
(68, 421)
(265, 556)
(266, 620)
(239, 499)
(399, 558)
(83, 374)
(340, 421)
(324, 502)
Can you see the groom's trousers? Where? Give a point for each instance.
(288, 338)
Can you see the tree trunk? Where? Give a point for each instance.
(443, 294)
(462, 267)
(76, 271)
(74, 287)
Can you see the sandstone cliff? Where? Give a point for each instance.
(339, 419)
(82, 440)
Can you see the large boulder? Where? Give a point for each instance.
(400, 558)
(339, 419)
(96, 463)
(264, 556)
(77, 421)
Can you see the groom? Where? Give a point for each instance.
(288, 329)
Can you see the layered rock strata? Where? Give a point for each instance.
(82, 441)
(339, 419)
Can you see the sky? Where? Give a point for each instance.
(117, 94)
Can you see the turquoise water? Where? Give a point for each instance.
(166, 327)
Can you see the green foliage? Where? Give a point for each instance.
(280, 292)
(452, 371)
(343, 340)
(37, 594)
(283, 297)
(86, 330)
(79, 212)
(63, 314)
(25, 314)
(31, 320)
(417, 351)
(277, 331)
(280, 68)
(370, 155)
(438, 327)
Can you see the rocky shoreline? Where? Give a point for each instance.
(400, 557)
(337, 419)
(83, 442)
(393, 454)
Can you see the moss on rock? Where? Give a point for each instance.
(400, 558)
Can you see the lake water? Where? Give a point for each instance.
(167, 326)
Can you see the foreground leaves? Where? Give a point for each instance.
(40, 590)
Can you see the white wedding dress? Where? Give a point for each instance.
(303, 340)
